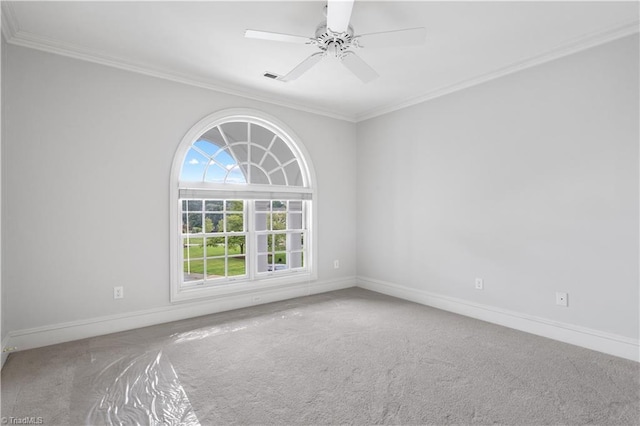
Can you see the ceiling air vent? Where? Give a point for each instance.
(271, 75)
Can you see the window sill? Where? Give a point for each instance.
(240, 287)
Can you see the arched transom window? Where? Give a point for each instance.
(242, 152)
(242, 207)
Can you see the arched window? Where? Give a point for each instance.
(242, 207)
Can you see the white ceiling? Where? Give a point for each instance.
(203, 43)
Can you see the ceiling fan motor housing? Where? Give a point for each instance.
(334, 43)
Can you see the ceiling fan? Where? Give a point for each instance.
(336, 38)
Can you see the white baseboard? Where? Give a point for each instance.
(5, 355)
(608, 343)
(612, 344)
(75, 330)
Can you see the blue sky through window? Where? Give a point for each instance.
(200, 158)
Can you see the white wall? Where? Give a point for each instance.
(529, 181)
(87, 158)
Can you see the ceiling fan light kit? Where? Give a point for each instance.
(335, 38)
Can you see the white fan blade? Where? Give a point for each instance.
(359, 67)
(266, 35)
(303, 67)
(339, 15)
(411, 36)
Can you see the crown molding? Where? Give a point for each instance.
(574, 46)
(9, 22)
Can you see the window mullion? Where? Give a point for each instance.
(205, 269)
(249, 179)
(251, 259)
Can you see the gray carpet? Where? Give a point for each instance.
(346, 357)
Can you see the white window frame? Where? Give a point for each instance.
(254, 282)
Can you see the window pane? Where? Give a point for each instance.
(208, 223)
(280, 242)
(270, 243)
(213, 205)
(279, 206)
(236, 244)
(192, 270)
(295, 206)
(215, 268)
(261, 221)
(261, 136)
(295, 260)
(280, 261)
(194, 166)
(262, 243)
(263, 206)
(295, 220)
(277, 177)
(235, 131)
(192, 205)
(263, 263)
(294, 175)
(259, 176)
(281, 151)
(296, 241)
(184, 223)
(235, 175)
(213, 222)
(208, 147)
(225, 159)
(235, 205)
(270, 163)
(257, 154)
(192, 248)
(235, 222)
(215, 173)
(236, 266)
(278, 221)
(215, 246)
(194, 223)
(214, 136)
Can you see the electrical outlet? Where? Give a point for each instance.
(118, 292)
(562, 299)
(479, 283)
(336, 264)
